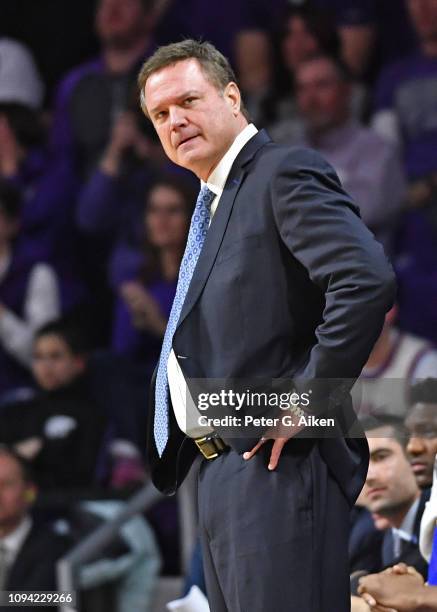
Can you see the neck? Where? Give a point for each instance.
(241, 124)
(381, 350)
(397, 518)
(119, 60)
(170, 258)
(9, 527)
(318, 133)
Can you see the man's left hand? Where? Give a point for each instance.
(280, 434)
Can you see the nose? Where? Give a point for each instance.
(415, 446)
(177, 117)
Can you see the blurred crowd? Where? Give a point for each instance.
(93, 223)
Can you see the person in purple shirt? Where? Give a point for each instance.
(406, 112)
(93, 96)
(29, 297)
(144, 303)
(46, 185)
(405, 105)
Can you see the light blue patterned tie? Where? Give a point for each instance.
(196, 238)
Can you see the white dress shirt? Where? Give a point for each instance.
(183, 406)
(14, 541)
(42, 303)
(429, 520)
(406, 531)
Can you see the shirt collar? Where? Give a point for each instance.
(406, 530)
(217, 179)
(14, 541)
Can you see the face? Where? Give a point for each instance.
(421, 424)
(299, 44)
(14, 494)
(390, 484)
(53, 363)
(195, 122)
(423, 14)
(166, 218)
(322, 97)
(119, 22)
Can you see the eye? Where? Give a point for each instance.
(160, 115)
(189, 101)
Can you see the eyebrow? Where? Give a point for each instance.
(186, 94)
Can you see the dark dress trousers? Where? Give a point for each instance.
(290, 283)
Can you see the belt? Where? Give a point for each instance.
(211, 446)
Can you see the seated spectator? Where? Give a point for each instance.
(28, 551)
(110, 204)
(90, 105)
(402, 588)
(391, 493)
(404, 102)
(305, 32)
(397, 360)
(91, 98)
(145, 301)
(29, 297)
(421, 425)
(46, 184)
(405, 111)
(368, 167)
(60, 431)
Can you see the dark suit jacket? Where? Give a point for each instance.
(410, 554)
(35, 565)
(289, 283)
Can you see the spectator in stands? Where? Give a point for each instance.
(94, 96)
(405, 111)
(60, 431)
(368, 167)
(402, 588)
(111, 203)
(28, 551)
(391, 493)
(304, 33)
(404, 104)
(421, 424)
(29, 297)
(145, 300)
(46, 185)
(397, 360)
(244, 41)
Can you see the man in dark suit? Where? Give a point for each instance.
(280, 279)
(392, 495)
(28, 552)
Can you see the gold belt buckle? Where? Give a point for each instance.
(209, 446)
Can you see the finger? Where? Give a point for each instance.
(370, 601)
(278, 445)
(255, 449)
(400, 568)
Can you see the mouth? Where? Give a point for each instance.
(375, 492)
(185, 140)
(418, 467)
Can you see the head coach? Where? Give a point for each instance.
(280, 278)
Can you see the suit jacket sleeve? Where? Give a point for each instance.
(321, 227)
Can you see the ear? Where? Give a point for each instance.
(30, 494)
(233, 96)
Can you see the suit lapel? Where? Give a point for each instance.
(220, 221)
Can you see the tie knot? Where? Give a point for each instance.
(206, 196)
